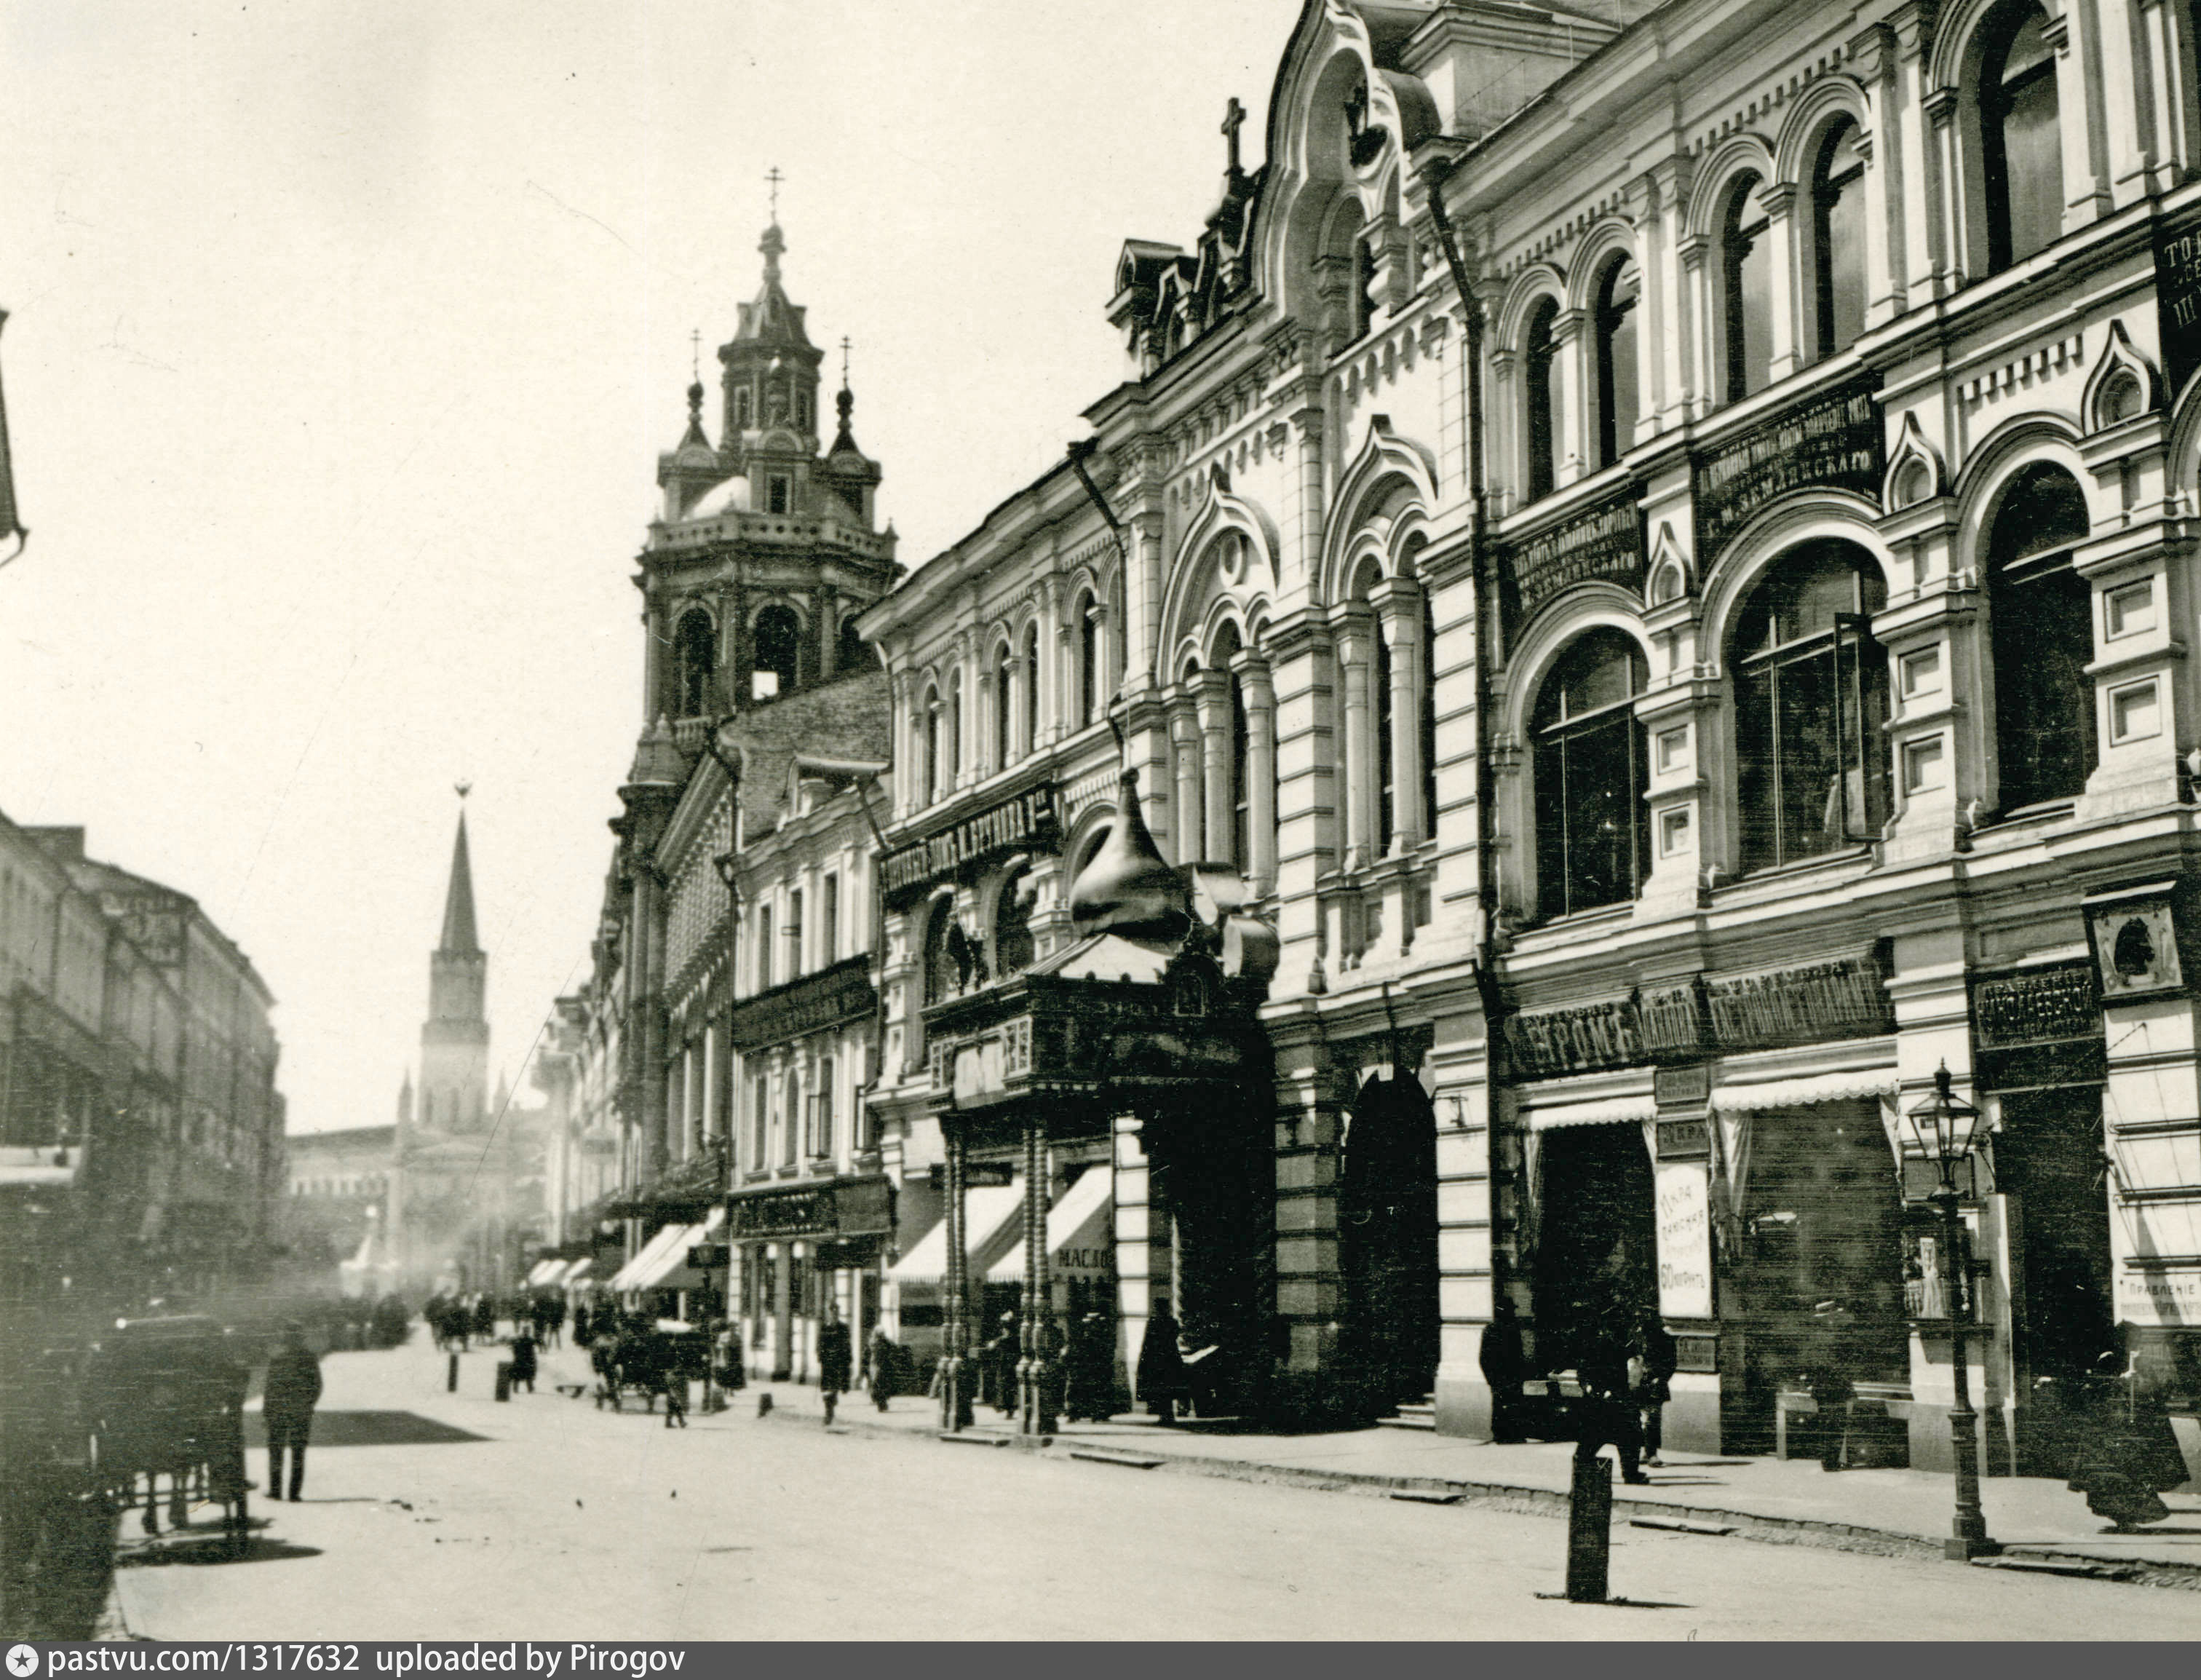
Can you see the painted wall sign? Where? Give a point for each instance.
(857, 1207)
(1832, 442)
(1685, 1140)
(2169, 1297)
(1604, 544)
(1578, 1039)
(1028, 820)
(1814, 1004)
(2042, 1005)
(152, 921)
(811, 1004)
(2178, 303)
(1685, 1240)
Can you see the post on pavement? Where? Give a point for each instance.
(1589, 1531)
(451, 1377)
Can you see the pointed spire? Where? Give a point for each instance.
(459, 935)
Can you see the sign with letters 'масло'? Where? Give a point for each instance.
(1685, 1240)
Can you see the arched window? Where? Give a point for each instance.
(853, 653)
(954, 725)
(1617, 405)
(1838, 238)
(2021, 146)
(1746, 291)
(943, 974)
(1012, 933)
(1228, 645)
(1363, 288)
(1005, 710)
(1031, 688)
(741, 408)
(777, 640)
(1428, 718)
(932, 787)
(1810, 701)
(695, 645)
(1593, 839)
(1387, 766)
(1541, 369)
(2042, 635)
(1088, 650)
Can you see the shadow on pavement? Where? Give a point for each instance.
(368, 1428)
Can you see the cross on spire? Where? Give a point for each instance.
(773, 178)
(1234, 119)
(844, 359)
(696, 353)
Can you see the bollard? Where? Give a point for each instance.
(1589, 1531)
(451, 1382)
(504, 1379)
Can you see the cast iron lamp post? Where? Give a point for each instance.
(1946, 1129)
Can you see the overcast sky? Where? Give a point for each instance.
(343, 340)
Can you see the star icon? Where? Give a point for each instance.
(22, 1661)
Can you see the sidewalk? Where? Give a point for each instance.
(1901, 1513)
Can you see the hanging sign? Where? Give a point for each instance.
(2178, 303)
(1832, 442)
(1028, 820)
(1604, 543)
(1685, 1240)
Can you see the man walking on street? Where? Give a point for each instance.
(834, 1360)
(294, 1389)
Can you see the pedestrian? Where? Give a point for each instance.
(886, 1368)
(834, 1360)
(997, 1366)
(294, 1389)
(1089, 1375)
(2127, 1455)
(1606, 1411)
(1161, 1375)
(582, 1324)
(1651, 1373)
(485, 1315)
(557, 1320)
(523, 1359)
(1504, 1364)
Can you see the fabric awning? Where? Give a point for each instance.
(577, 1272)
(1081, 1232)
(989, 1215)
(544, 1270)
(1602, 1111)
(668, 1269)
(1803, 1093)
(623, 1279)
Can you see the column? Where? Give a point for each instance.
(1035, 1414)
(1398, 605)
(1571, 422)
(1142, 606)
(1212, 704)
(828, 607)
(1779, 198)
(1872, 56)
(782, 1313)
(1260, 702)
(2080, 113)
(1356, 663)
(1184, 739)
(954, 1401)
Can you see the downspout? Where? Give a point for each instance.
(1483, 568)
(879, 947)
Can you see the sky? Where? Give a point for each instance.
(342, 341)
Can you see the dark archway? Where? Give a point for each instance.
(1387, 1242)
(1597, 1262)
(778, 639)
(695, 652)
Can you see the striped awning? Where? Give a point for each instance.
(1757, 1099)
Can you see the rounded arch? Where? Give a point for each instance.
(1960, 38)
(1387, 1209)
(1803, 517)
(1545, 640)
(1229, 551)
(1609, 237)
(1081, 838)
(1736, 156)
(2001, 456)
(1826, 100)
(1531, 286)
(777, 644)
(695, 660)
(1390, 477)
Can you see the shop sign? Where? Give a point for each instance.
(1604, 543)
(152, 921)
(977, 1174)
(1673, 1020)
(1689, 1087)
(1028, 820)
(1576, 1040)
(2136, 936)
(2043, 1006)
(1833, 442)
(2168, 1298)
(785, 1213)
(829, 998)
(2178, 303)
(1685, 1140)
(1685, 1241)
(1811, 1005)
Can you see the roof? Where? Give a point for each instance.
(847, 720)
(459, 936)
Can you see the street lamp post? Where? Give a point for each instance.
(1945, 1130)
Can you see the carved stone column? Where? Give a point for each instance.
(1212, 704)
(1356, 665)
(1260, 700)
(1184, 737)
(1398, 605)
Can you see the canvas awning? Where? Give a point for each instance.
(1601, 1111)
(577, 1272)
(545, 1272)
(1758, 1099)
(647, 1255)
(990, 1213)
(667, 1267)
(1081, 1232)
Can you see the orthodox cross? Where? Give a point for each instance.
(1234, 119)
(773, 179)
(844, 360)
(696, 353)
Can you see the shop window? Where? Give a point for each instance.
(1542, 370)
(1745, 292)
(2020, 142)
(1838, 238)
(1811, 699)
(1591, 774)
(695, 647)
(1617, 396)
(778, 638)
(1013, 932)
(2042, 639)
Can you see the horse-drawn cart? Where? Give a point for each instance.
(166, 1397)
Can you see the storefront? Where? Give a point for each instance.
(795, 1252)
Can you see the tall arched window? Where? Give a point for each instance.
(1005, 710)
(1746, 291)
(778, 644)
(1428, 718)
(1228, 645)
(1617, 404)
(1810, 702)
(696, 656)
(954, 725)
(1031, 688)
(1593, 839)
(853, 653)
(1088, 651)
(1541, 369)
(932, 786)
(1838, 238)
(2042, 635)
(1012, 933)
(943, 974)
(1387, 767)
(2020, 147)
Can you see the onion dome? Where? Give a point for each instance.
(1126, 885)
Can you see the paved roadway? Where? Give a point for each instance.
(545, 1519)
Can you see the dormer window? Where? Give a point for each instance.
(777, 490)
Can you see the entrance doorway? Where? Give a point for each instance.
(1387, 1242)
(2049, 1161)
(1598, 1254)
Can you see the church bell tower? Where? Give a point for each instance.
(454, 1091)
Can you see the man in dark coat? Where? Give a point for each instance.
(835, 1362)
(294, 1389)
(1161, 1374)
(1090, 1371)
(886, 1368)
(1606, 1410)
(523, 1359)
(1652, 1368)
(1505, 1368)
